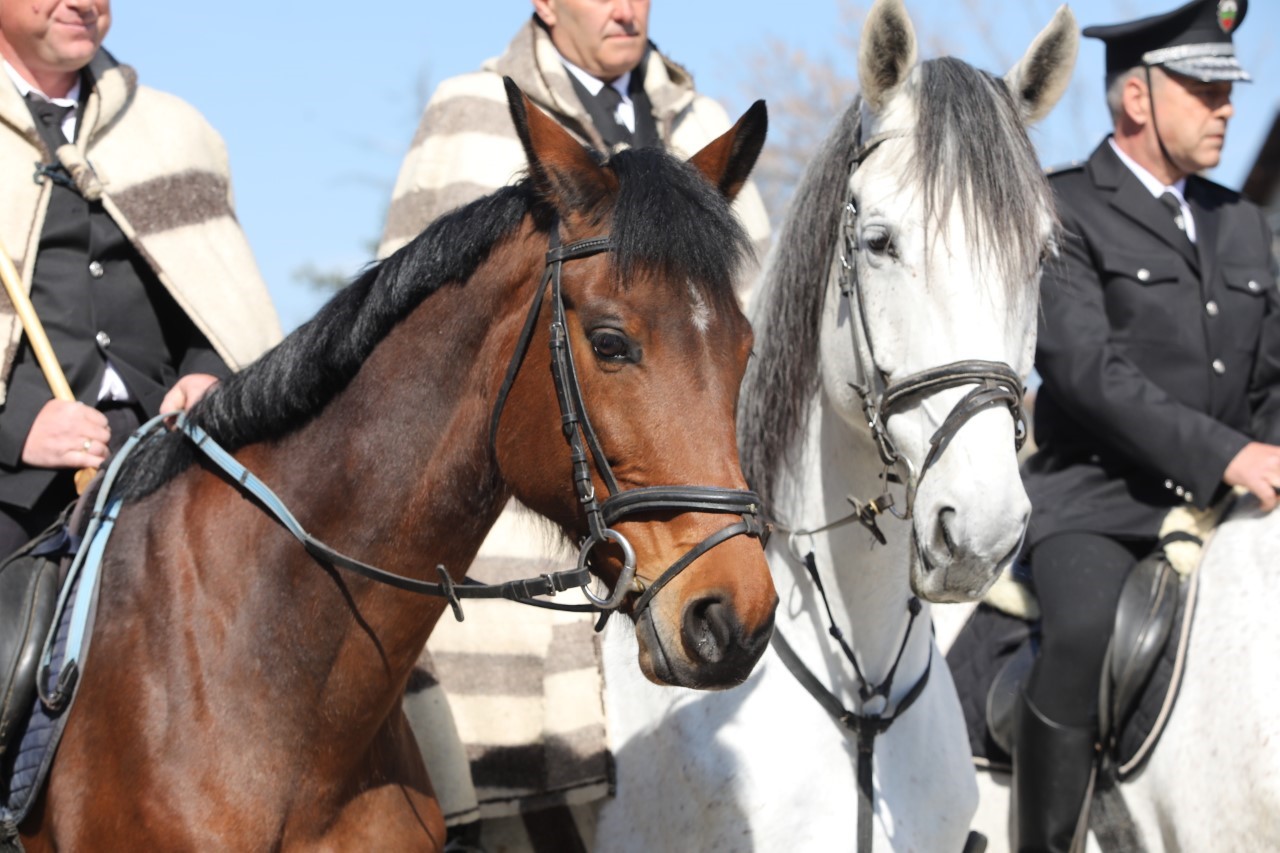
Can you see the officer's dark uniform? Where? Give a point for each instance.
(1160, 361)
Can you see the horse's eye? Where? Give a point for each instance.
(878, 240)
(610, 345)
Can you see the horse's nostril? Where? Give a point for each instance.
(708, 629)
(946, 517)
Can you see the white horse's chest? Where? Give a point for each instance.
(763, 767)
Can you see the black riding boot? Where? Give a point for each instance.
(1052, 768)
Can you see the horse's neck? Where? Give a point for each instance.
(395, 472)
(867, 583)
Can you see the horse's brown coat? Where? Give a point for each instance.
(243, 697)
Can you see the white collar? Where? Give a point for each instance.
(1153, 184)
(593, 85)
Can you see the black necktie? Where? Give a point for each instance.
(49, 118)
(610, 99)
(1170, 201)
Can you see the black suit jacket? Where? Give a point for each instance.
(1160, 359)
(97, 299)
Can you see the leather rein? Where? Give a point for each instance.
(580, 435)
(998, 384)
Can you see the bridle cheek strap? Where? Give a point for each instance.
(998, 383)
(582, 439)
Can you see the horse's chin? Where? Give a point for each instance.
(942, 580)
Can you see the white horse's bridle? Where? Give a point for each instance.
(998, 383)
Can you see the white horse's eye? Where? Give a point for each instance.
(876, 238)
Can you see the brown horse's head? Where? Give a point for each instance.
(659, 346)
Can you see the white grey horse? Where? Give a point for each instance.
(911, 252)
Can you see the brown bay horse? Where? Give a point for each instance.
(243, 695)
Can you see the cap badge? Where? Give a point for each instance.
(1227, 12)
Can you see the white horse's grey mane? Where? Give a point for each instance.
(971, 149)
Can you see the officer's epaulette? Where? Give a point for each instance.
(1063, 167)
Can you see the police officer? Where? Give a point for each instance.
(1159, 347)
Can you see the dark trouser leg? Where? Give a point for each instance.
(20, 526)
(1078, 578)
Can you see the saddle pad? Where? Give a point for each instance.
(526, 694)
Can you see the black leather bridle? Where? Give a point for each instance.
(601, 515)
(581, 437)
(998, 384)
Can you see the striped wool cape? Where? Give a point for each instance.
(161, 173)
(466, 146)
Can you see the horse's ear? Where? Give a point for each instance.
(887, 52)
(726, 162)
(1040, 78)
(564, 174)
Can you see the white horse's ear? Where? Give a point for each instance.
(887, 52)
(1041, 77)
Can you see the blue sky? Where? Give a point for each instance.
(318, 101)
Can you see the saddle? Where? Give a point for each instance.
(992, 659)
(30, 582)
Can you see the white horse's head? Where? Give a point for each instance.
(948, 221)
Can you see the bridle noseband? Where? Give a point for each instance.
(998, 384)
(581, 437)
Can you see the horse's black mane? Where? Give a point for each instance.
(665, 218)
(971, 149)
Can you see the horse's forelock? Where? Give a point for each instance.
(668, 223)
(972, 150)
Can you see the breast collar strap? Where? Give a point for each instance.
(998, 384)
(865, 726)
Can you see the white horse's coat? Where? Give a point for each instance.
(763, 766)
(1213, 781)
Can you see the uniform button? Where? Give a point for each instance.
(1218, 367)
(1211, 308)
(1253, 285)
(1188, 497)
(104, 340)
(1179, 491)
(1144, 274)
(95, 269)
(1168, 484)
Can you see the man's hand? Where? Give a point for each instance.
(1256, 468)
(67, 435)
(186, 391)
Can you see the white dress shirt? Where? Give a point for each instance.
(626, 112)
(1157, 188)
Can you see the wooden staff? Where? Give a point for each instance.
(40, 346)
